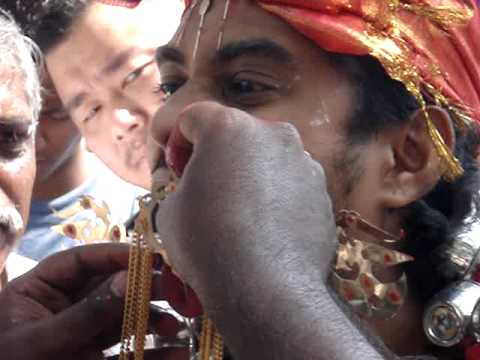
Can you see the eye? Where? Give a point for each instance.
(249, 89)
(131, 77)
(92, 113)
(168, 88)
(14, 136)
(134, 75)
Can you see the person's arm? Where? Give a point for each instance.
(251, 229)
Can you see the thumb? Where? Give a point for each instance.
(94, 322)
(195, 125)
(197, 120)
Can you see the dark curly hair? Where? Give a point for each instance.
(433, 221)
(46, 22)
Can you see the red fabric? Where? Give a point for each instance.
(341, 26)
(473, 352)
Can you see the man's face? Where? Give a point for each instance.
(17, 158)
(268, 70)
(57, 138)
(105, 74)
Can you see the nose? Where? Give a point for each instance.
(167, 115)
(126, 122)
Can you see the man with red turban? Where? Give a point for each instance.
(271, 109)
(326, 154)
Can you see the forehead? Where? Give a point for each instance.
(50, 96)
(105, 32)
(103, 35)
(13, 95)
(245, 20)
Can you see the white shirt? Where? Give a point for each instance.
(18, 265)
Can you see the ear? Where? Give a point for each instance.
(416, 167)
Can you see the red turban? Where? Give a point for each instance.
(431, 46)
(422, 32)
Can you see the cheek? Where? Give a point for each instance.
(18, 177)
(62, 138)
(96, 135)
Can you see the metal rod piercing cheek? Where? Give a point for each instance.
(204, 7)
(181, 29)
(224, 21)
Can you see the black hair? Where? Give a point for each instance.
(433, 221)
(47, 22)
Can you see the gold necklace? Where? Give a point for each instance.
(145, 242)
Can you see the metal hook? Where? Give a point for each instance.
(204, 7)
(224, 21)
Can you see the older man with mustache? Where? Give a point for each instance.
(69, 306)
(19, 109)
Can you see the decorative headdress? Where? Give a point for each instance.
(431, 46)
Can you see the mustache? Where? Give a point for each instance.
(11, 222)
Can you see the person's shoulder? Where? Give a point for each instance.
(120, 196)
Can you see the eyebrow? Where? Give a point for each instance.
(21, 119)
(256, 47)
(75, 102)
(169, 54)
(117, 62)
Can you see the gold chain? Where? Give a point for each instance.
(136, 313)
(211, 342)
(129, 311)
(137, 298)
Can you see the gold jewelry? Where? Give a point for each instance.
(388, 46)
(90, 230)
(136, 314)
(353, 277)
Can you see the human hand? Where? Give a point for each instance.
(71, 306)
(251, 206)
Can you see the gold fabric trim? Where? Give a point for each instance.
(388, 36)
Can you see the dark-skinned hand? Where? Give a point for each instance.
(71, 306)
(250, 213)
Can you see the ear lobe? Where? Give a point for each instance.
(417, 167)
(86, 145)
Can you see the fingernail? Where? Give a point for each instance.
(119, 284)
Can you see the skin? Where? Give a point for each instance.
(245, 120)
(17, 158)
(109, 86)
(61, 163)
(268, 243)
(82, 290)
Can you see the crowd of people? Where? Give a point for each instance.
(327, 154)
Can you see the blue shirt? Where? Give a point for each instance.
(40, 241)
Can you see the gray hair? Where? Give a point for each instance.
(19, 51)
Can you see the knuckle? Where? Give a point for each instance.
(318, 170)
(213, 115)
(289, 135)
